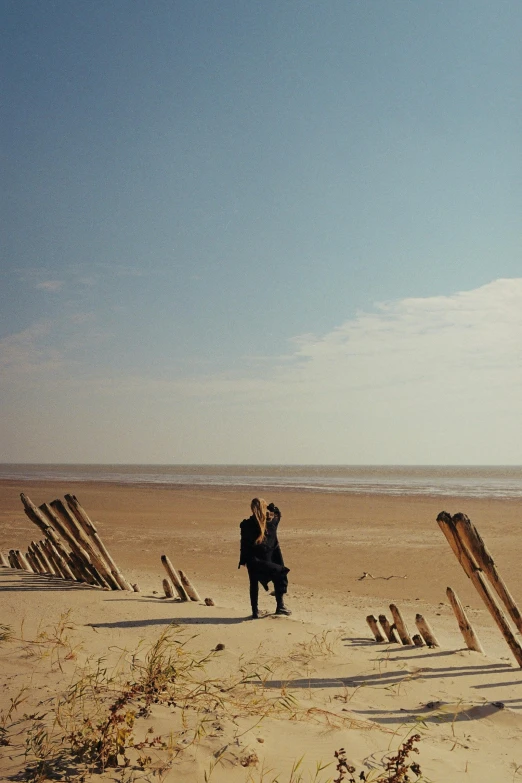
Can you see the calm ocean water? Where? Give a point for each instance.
(479, 482)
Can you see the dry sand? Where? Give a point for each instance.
(342, 689)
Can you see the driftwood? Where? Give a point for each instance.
(471, 568)
(389, 630)
(174, 578)
(417, 640)
(13, 562)
(189, 587)
(372, 622)
(402, 630)
(32, 562)
(366, 575)
(426, 631)
(470, 637)
(3, 561)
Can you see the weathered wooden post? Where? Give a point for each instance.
(13, 562)
(400, 625)
(3, 561)
(189, 587)
(23, 561)
(417, 640)
(174, 578)
(372, 622)
(42, 554)
(91, 531)
(32, 562)
(466, 629)
(64, 521)
(447, 525)
(55, 559)
(474, 544)
(168, 589)
(389, 630)
(426, 631)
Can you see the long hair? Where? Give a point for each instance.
(258, 506)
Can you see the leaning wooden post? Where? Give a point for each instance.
(13, 562)
(55, 559)
(447, 524)
(466, 629)
(168, 589)
(401, 625)
(76, 537)
(471, 539)
(42, 522)
(189, 587)
(3, 561)
(24, 562)
(34, 559)
(174, 578)
(389, 630)
(372, 622)
(90, 529)
(42, 554)
(426, 631)
(32, 562)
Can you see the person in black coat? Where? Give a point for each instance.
(261, 554)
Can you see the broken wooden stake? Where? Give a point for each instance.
(189, 587)
(389, 630)
(417, 640)
(372, 622)
(174, 578)
(400, 625)
(426, 631)
(466, 629)
(168, 589)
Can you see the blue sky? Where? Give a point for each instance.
(218, 215)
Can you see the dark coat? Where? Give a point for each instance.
(268, 551)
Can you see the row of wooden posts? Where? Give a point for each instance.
(71, 548)
(398, 631)
(478, 564)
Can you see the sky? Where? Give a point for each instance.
(261, 233)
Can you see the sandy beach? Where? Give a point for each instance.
(342, 689)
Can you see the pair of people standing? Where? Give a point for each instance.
(261, 554)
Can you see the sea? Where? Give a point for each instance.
(471, 481)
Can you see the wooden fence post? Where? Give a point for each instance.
(389, 630)
(90, 530)
(466, 629)
(471, 539)
(403, 632)
(168, 589)
(475, 574)
(372, 622)
(426, 631)
(174, 578)
(189, 587)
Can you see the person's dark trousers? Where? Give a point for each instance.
(254, 589)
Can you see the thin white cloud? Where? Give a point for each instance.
(50, 285)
